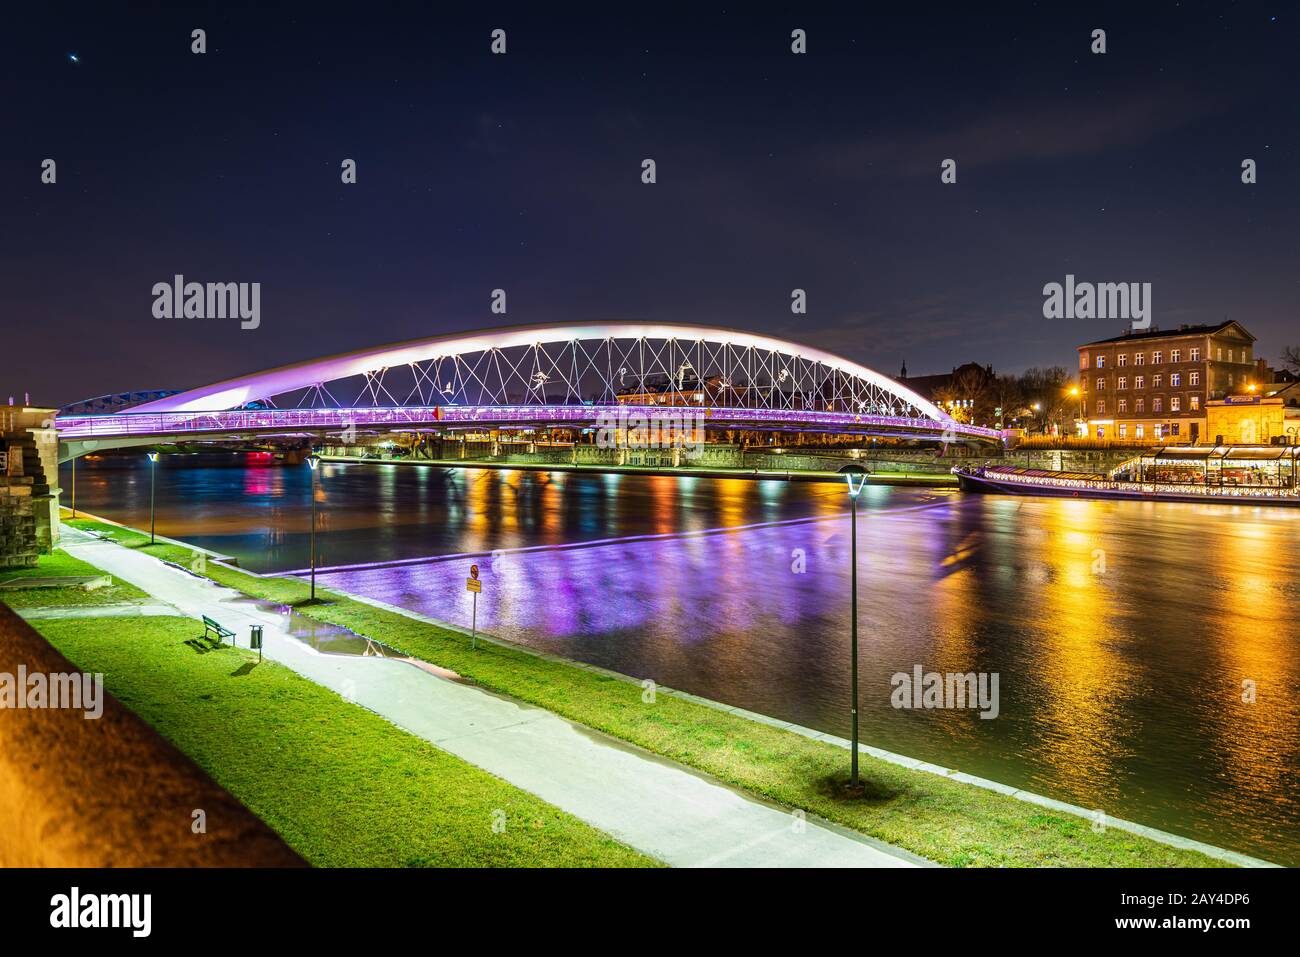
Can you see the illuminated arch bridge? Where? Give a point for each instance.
(535, 377)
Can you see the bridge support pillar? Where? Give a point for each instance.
(29, 485)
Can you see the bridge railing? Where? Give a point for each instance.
(178, 424)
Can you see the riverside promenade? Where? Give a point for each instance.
(661, 808)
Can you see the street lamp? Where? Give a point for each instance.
(850, 471)
(153, 474)
(313, 462)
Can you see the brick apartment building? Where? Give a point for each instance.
(1154, 385)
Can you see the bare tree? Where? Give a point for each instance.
(1291, 358)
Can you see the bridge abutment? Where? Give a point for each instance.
(29, 485)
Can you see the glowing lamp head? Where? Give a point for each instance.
(855, 476)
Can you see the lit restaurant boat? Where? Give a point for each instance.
(1264, 474)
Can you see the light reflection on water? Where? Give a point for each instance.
(1121, 631)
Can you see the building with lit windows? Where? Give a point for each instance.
(1153, 386)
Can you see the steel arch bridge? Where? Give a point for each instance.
(536, 376)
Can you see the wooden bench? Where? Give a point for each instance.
(221, 632)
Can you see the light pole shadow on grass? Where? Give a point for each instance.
(842, 790)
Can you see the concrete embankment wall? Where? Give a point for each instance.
(109, 792)
(931, 461)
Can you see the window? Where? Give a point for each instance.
(1083, 360)
(1140, 406)
(1195, 402)
(1196, 354)
(1121, 382)
(1245, 355)
(1230, 359)
(1101, 362)
(1175, 379)
(1218, 353)
(1123, 359)
(1229, 378)
(1175, 403)
(1194, 378)
(1155, 430)
(1101, 383)
(1123, 430)
(1174, 427)
(1175, 355)
(1155, 358)
(1101, 406)
(1157, 404)
(1123, 406)
(1139, 431)
(1139, 381)
(1156, 380)
(1139, 358)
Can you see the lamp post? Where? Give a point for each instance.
(1074, 391)
(850, 471)
(313, 462)
(153, 473)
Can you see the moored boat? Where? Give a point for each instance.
(1265, 475)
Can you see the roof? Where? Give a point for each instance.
(926, 384)
(1181, 331)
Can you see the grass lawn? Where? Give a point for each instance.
(61, 563)
(340, 784)
(955, 824)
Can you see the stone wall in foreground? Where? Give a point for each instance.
(109, 792)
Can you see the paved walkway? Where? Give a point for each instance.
(663, 809)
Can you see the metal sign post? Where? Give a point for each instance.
(474, 586)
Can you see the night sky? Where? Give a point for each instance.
(523, 172)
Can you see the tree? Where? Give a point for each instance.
(1291, 358)
(1048, 389)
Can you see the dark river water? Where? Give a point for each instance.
(1124, 635)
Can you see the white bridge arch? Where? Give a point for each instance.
(569, 364)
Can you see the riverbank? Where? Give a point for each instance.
(662, 809)
(342, 786)
(939, 817)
